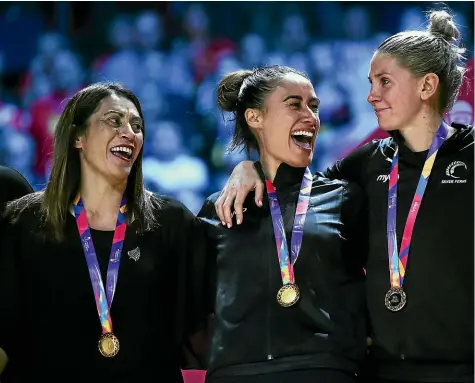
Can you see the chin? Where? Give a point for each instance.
(388, 127)
(301, 162)
(120, 175)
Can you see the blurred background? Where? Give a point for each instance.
(172, 54)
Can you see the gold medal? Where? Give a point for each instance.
(288, 295)
(108, 345)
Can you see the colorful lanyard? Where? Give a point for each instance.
(398, 260)
(103, 297)
(287, 263)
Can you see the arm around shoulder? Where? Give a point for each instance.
(351, 168)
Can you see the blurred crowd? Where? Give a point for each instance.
(173, 56)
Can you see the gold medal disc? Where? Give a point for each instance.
(288, 295)
(108, 345)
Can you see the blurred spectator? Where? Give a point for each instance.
(169, 169)
(294, 36)
(123, 64)
(66, 78)
(149, 31)
(204, 51)
(252, 51)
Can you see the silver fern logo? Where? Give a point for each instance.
(134, 254)
(454, 165)
(455, 176)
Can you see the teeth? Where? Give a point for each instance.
(122, 149)
(302, 133)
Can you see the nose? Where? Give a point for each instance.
(311, 117)
(373, 96)
(126, 131)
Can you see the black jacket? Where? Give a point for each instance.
(431, 339)
(326, 328)
(49, 324)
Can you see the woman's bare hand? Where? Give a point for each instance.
(243, 179)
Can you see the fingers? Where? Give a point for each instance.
(228, 203)
(218, 206)
(239, 202)
(243, 179)
(259, 190)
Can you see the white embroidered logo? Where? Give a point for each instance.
(383, 178)
(134, 254)
(456, 176)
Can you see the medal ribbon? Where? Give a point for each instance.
(398, 260)
(103, 297)
(286, 263)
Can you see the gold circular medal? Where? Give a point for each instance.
(108, 345)
(288, 295)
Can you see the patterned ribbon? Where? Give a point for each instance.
(286, 264)
(103, 298)
(398, 260)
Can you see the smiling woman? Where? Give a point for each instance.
(298, 316)
(82, 285)
(276, 112)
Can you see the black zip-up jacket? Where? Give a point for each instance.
(326, 328)
(431, 339)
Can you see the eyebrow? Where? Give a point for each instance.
(114, 111)
(301, 99)
(379, 75)
(121, 114)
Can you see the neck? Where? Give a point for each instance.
(101, 198)
(419, 135)
(270, 166)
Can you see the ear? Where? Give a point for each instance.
(254, 118)
(429, 85)
(78, 144)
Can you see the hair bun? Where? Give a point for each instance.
(441, 23)
(228, 89)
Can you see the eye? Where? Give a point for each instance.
(114, 121)
(385, 81)
(314, 108)
(295, 105)
(137, 127)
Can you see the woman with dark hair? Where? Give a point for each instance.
(419, 272)
(69, 312)
(298, 316)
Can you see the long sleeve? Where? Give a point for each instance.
(202, 286)
(189, 239)
(352, 167)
